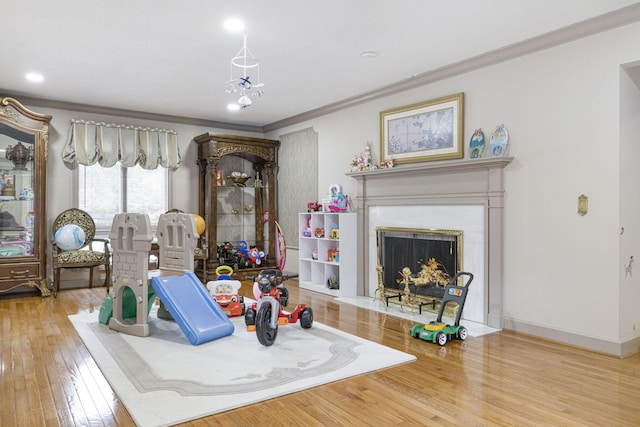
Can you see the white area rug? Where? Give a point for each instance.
(163, 379)
(475, 329)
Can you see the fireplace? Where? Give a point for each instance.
(417, 264)
(465, 195)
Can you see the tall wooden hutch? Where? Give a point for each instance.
(238, 211)
(24, 137)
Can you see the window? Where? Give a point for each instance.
(104, 192)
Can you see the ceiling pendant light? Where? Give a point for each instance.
(244, 79)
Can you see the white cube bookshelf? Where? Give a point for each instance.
(330, 231)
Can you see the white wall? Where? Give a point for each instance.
(562, 108)
(629, 296)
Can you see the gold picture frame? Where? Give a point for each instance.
(427, 131)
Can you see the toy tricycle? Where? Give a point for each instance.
(265, 315)
(437, 331)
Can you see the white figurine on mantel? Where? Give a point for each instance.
(499, 141)
(363, 161)
(368, 160)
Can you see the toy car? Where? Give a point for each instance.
(437, 331)
(224, 291)
(265, 315)
(314, 207)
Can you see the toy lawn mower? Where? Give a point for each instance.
(437, 331)
(265, 315)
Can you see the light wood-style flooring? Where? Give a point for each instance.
(48, 378)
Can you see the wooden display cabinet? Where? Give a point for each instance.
(24, 137)
(236, 212)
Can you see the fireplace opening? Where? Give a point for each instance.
(415, 265)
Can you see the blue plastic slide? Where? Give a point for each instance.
(191, 306)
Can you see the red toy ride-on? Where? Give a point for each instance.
(265, 315)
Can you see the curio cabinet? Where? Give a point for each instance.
(24, 136)
(238, 200)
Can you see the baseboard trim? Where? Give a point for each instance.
(619, 349)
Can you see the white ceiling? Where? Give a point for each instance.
(172, 57)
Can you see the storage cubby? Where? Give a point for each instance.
(328, 252)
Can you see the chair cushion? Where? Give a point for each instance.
(74, 257)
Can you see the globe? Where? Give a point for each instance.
(200, 225)
(69, 237)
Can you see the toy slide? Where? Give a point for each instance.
(193, 309)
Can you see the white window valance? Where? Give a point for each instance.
(107, 144)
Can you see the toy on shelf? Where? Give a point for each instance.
(224, 291)
(314, 207)
(333, 283)
(232, 256)
(242, 256)
(256, 256)
(265, 315)
(333, 255)
(319, 232)
(437, 331)
(339, 203)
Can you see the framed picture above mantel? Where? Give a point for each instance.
(427, 131)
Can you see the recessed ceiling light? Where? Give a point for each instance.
(234, 25)
(34, 77)
(233, 106)
(369, 54)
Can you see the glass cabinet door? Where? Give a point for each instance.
(17, 210)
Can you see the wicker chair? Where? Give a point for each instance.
(86, 256)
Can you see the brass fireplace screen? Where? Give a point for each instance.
(415, 265)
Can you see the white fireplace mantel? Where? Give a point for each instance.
(441, 183)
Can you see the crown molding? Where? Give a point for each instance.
(618, 18)
(95, 109)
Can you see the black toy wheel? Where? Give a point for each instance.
(306, 318)
(266, 334)
(441, 338)
(244, 307)
(463, 333)
(250, 317)
(284, 296)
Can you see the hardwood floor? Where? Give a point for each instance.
(47, 377)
